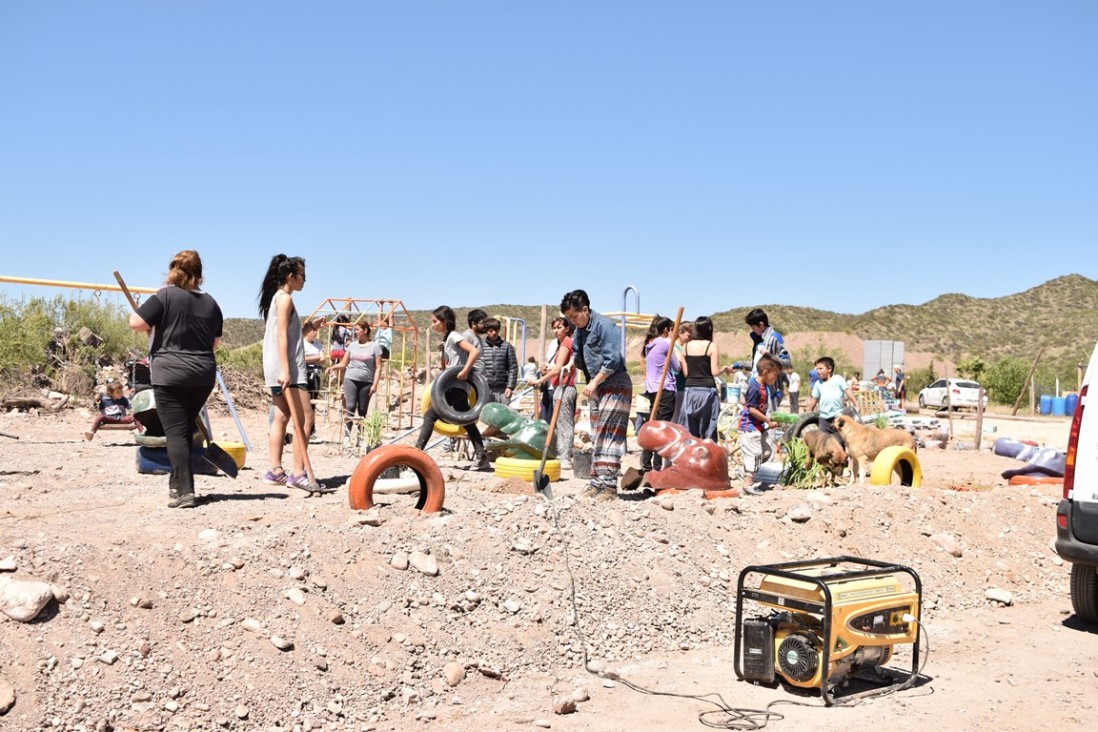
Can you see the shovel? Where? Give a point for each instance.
(541, 480)
(213, 454)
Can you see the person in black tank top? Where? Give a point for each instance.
(701, 402)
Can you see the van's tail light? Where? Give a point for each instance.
(1073, 443)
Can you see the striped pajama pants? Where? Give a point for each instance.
(609, 422)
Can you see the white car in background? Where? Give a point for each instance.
(959, 392)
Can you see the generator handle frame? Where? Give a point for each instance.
(788, 570)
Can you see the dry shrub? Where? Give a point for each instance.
(73, 378)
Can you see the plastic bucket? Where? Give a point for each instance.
(581, 464)
(770, 472)
(1058, 406)
(1070, 402)
(1046, 404)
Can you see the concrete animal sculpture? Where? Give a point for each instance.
(694, 463)
(525, 436)
(864, 442)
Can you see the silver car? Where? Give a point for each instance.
(957, 393)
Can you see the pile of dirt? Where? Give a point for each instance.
(265, 610)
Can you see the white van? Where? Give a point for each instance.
(1077, 513)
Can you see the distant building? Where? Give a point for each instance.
(882, 355)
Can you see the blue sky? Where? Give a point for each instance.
(838, 155)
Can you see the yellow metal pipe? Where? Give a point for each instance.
(75, 285)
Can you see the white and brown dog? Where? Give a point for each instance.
(864, 442)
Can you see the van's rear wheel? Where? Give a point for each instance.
(1084, 592)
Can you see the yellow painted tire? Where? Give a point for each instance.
(443, 428)
(236, 451)
(524, 468)
(896, 459)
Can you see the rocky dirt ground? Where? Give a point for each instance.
(265, 610)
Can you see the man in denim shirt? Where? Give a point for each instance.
(596, 346)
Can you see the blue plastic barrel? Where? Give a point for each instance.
(1070, 402)
(1046, 403)
(1058, 406)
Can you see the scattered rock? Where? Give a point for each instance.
(7, 696)
(282, 644)
(370, 519)
(424, 563)
(454, 673)
(8, 564)
(1000, 596)
(252, 625)
(564, 705)
(22, 600)
(948, 543)
(399, 561)
(799, 514)
(296, 596)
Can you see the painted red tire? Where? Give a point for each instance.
(1036, 479)
(432, 486)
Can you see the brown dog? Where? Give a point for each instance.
(864, 442)
(825, 449)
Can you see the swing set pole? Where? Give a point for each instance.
(74, 285)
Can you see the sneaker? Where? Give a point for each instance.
(565, 464)
(275, 478)
(185, 500)
(606, 494)
(755, 489)
(589, 492)
(301, 482)
(89, 436)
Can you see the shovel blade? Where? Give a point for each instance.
(220, 459)
(541, 484)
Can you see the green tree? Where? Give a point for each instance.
(1005, 379)
(919, 379)
(972, 368)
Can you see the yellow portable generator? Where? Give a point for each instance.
(829, 619)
